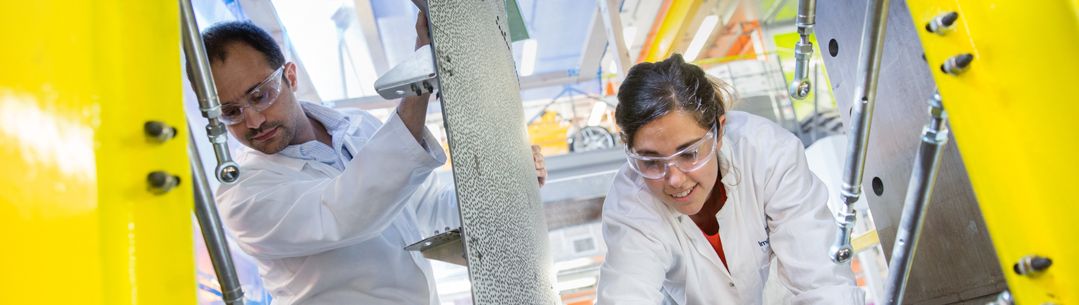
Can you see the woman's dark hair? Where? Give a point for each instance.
(652, 90)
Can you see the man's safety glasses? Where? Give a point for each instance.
(689, 159)
(258, 98)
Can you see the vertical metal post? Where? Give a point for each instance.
(816, 104)
(919, 192)
(212, 232)
(869, 55)
(803, 49)
(612, 22)
(227, 171)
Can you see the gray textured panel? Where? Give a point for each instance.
(955, 259)
(501, 212)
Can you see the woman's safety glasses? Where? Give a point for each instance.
(258, 98)
(689, 159)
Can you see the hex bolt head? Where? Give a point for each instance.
(158, 131)
(942, 23)
(161, 182)
(957, 64)
(1032, 264)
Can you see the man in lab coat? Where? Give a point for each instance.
(326, 200)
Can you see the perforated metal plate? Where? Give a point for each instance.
(955, 261)
(501, 212)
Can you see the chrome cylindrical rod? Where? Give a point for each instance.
(212, 232)
(919, 192)
(861, 120)
(209, 104)
(803, 49)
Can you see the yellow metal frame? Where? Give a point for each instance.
(1013, 116)
(80, 79)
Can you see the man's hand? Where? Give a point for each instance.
(413, 109)
(541, 168)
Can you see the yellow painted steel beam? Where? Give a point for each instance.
(1013, 114)
(80, 79)
(672, 23)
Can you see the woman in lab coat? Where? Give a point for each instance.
(708, 198)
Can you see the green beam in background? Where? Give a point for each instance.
(518, 31)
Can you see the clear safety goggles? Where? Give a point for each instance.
(689, 159)
(259, 98)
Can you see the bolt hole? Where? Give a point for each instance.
(833, 47)
(878, 186)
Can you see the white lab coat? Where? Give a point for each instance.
(325, 236)
(775, 208)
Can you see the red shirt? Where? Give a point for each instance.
(717, 244)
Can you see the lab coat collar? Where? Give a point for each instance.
(331, 119)
(729, 176)
(248, 155)
(703, 248)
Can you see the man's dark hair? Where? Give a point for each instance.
(219, 36)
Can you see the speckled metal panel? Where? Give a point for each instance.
(501, 211)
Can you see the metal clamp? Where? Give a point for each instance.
(446, 246)
(413, 77)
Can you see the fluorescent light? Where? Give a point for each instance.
(703, 33)
(528, 57)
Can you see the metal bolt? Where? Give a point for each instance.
(842, 255)
(957, 64)
(1032, 264)
(942, 23)
(227, 172)
(158, 131)
(936, 110)
(800, 89)
(161, 182)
